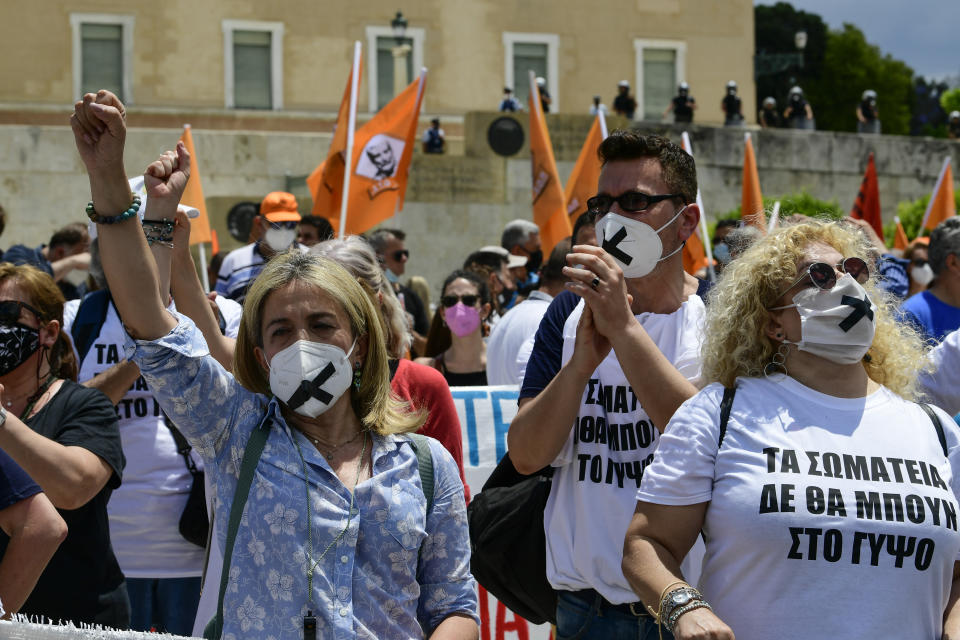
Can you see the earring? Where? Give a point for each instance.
(777, 363)
(779, 336)
(357, 374)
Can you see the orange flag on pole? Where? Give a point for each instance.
(326, 181)
(582, 183)
(549, 205)
(942, 205)
(900, 240)
(193, 194)
(751, 199)
(382, 151)
(697, 252)
(867, 205)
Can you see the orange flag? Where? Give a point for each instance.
(695, 257)
(326, 181)
(900, 240)
(382, 150)
(582, 183)
(942, 205)
(751, 200)
(549, 205)
(867, 205)
(193, 194)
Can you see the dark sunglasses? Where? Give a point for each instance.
(917, 262)
(286, 224)
(400, 254)
(631, 201)
(450, 300)
(10, 311)
(824, 276)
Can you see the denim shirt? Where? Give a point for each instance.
(397, 572)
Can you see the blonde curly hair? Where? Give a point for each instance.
(736, 343)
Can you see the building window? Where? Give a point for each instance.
(102, 52)
(525, 52)
(253, 64)
(380, 62)
(661, 66)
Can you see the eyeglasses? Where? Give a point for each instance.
(450, 300)
(10, 311)
(823, 276)
(286, 224)
(917, 262)
(400, 254)
(631, 201)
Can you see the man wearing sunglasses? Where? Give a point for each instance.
(614, 356)
(393, 254)
(277, 227)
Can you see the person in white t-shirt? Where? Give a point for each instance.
(162, 569)
(828, 504)
(587, 405)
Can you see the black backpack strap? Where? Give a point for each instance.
(251, 457)
(183, 447)
(935, 419)
(424, 465)
(725, 405)
(91, 315)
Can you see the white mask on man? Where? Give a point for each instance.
(635, 245)
(280, 239)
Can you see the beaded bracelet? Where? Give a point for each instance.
(679, 611)
(126, 215)
(159, 231)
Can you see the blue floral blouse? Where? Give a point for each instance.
(397, 572)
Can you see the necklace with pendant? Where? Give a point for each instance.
(329, 451)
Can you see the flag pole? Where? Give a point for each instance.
(204, 278)
(603, 124)
(351, 127)
(704, 232)
(774, 217)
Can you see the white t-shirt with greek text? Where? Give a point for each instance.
(145, 510)
(598, 470)
(828, 517)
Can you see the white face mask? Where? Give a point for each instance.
(635, 245)
(279, 239)
(837, 324)
(922, 275)
(309, 377)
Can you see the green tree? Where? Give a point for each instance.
(774, 29)
(851, 65)
(950, 100)
(800, 202)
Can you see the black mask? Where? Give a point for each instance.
(17, 343)
(534, 260)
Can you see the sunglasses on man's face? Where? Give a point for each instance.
(824, 276)
(400, 254)
(10, 311)
(450, 300)
(631, 201)
(286, 224)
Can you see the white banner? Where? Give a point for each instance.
(485, 414)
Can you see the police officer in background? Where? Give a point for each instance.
(768, 117)
(624, 104)
(953, 125)
(682, 105)
(798, 114)
(732, 107)
(868, 116)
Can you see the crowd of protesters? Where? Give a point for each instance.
(291, 444)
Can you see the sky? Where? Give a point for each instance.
(923, 33)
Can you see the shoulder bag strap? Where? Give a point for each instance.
(183, 447)
(251, 456)
(725, 405)
(935, 419)
(424, 465)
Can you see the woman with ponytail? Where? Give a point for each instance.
(65, 436)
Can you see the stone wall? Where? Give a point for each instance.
(455, 203)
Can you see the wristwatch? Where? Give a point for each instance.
(3, 416)
(676, 599)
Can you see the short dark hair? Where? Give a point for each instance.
(70, 235)
(679, 169)
(586, 219)
(378, 239)
(322, 225)
(552, 270)
(484, 261)
(944, 240)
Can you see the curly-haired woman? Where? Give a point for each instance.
(828, 505)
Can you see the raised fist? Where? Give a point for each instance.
(100, 130)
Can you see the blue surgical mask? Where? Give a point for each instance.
(391, 276)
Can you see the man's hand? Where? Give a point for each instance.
(181, 233)
(867, 229)
(100, 131)
(608, 298)
(165, 179)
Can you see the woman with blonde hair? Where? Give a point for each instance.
(827, 498)
(327, 523)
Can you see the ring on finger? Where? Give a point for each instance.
(595, 282)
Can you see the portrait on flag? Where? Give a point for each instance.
(380, 157)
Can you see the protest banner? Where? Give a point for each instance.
(485, 414)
